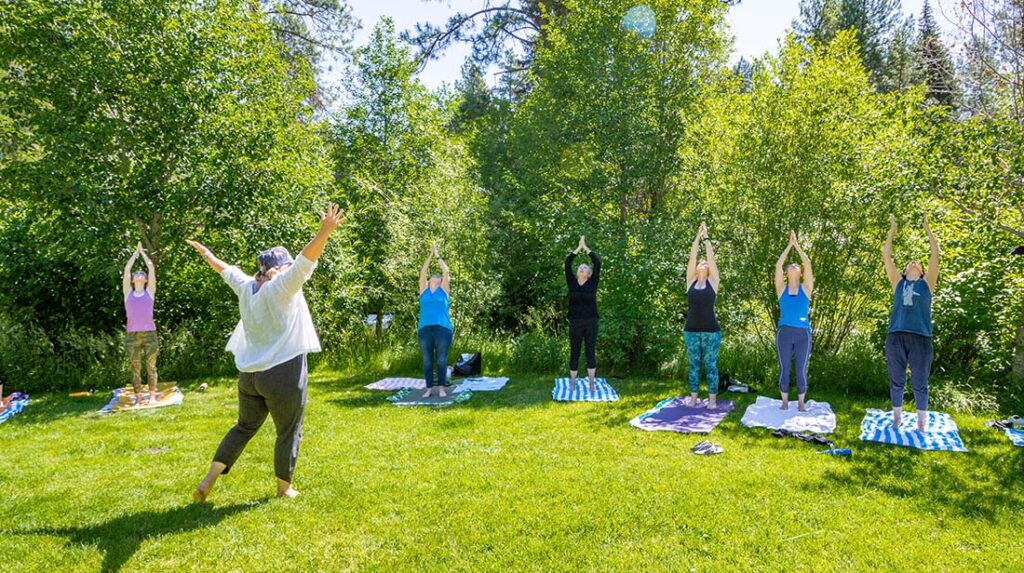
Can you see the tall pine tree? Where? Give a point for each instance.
(934, 65)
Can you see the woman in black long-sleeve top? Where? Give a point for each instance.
(582, 311)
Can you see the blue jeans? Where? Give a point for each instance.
(434, 344)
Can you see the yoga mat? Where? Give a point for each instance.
(603, 392)
(1016, 436)
(673, 415)
(766, 413)
(13, 407)
(397, 384)
(124, 399)
(414, 397)
(942, 434)
(482, 384)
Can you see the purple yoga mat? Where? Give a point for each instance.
(674, 416)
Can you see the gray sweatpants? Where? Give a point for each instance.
(281, 392)
(904, 349)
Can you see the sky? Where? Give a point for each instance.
(757, 26)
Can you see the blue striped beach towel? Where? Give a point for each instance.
(564, 392)
(1016, 436)
(15, 407)
(942, 432)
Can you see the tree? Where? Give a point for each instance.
(152, 120)
(810, 148)
(592, 150)
(877, 22)
(409, 183)
(934, 65)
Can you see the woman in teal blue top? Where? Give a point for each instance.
(434, 330)
(793, 339)
(909, 342)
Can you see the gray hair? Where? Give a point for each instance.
(585, 266)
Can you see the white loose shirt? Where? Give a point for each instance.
(275, 325)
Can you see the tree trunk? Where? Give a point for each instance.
(378, 328)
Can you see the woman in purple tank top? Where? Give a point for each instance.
(141, 341)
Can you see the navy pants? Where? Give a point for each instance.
(582, 332)
(434, 344)
(793, 343)
(904, 349)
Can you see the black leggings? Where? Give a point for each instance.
(582, 330)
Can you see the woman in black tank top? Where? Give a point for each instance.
(702, 335)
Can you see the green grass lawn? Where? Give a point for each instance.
(508, 481)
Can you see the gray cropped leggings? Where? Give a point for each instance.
(280, 392)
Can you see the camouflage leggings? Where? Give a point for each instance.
(143, 346)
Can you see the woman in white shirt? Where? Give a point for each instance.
(270, 345)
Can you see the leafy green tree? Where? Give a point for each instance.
(407, 185)
(152, 120)
(814, 149)
(877, 22)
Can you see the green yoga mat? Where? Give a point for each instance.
(414, 397)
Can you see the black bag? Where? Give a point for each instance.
(469, 365)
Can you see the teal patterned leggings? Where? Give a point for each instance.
(703, 345)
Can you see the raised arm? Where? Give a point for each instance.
(126, 279)
(595, 267)
(713, 276)
(216, 264)
(808, 270)
(932, 276)
(151, 269)
(780, 275)
(691, 266)
(445, 275)
(329, 221)
(425, 271)
(569, 276)
(890, 266)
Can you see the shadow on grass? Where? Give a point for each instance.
(119, 538)
(979, 484)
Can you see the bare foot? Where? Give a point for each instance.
(785, 406)
(921, 427)
(440, 392)
(712, 405)
(592, 387)
(897, 422)
(290, 493)
(201, 492)
(802, 408)
(427, 393)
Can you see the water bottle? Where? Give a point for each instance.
(838, 452)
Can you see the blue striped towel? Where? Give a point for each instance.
(941, 435)
(13, 408)
(1016, 436)
(564, 392)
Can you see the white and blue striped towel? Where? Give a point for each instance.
(941, 431)
(13, 408)
(1016, 436)
(564, 392)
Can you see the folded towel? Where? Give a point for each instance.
(14, 406)
(397, 384)
(482, 384)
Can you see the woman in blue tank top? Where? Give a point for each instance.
(793, 338)
(909, 342)
(434, 330)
